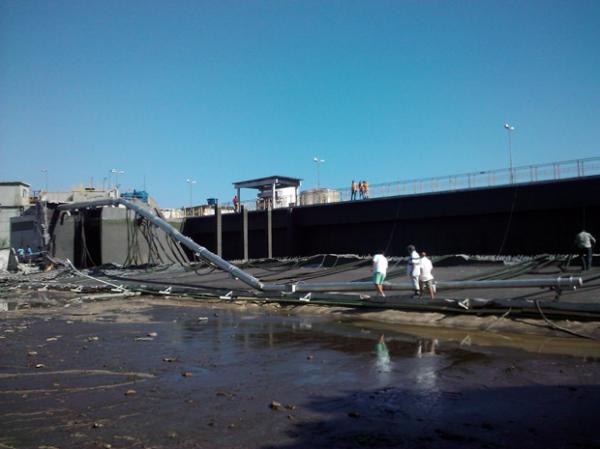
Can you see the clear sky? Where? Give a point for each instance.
(223, 91)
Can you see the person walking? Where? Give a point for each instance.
(353, 189)
(380, 265)
(426, 279)
(361, 190)
(236, 203)
(584, 242)
(366, 189)
(413, 267)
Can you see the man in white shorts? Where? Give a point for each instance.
(380, 265)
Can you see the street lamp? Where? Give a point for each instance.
(191, 182)
(318, 161)
(45, 172)
(509, 129)
(117, 172)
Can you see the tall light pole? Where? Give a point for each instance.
(318, 161)
(117, 172)
(45, 172)
(509, 129)
(191, 182)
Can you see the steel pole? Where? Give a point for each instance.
(560, 282)
(510, 164)
(318, 161)
(178, 236)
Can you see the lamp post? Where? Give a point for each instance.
(509, 129)
(318, 161)
(117, 172)
(191, 182)
(45, 172)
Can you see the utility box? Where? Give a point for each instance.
(319, 196)
(24, 232)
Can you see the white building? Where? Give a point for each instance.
(14, 199)
(319, 196)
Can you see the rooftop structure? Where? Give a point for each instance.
(14, 194)
(78, 194)
(274, 191)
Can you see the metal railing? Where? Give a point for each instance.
(492, 178)
(526, 174)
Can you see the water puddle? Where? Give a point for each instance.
(211, 376)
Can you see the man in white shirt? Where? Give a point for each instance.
(380, 265)
(584, 241)
(413, 267)
(426, 278)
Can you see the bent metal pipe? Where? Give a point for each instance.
(306, 287)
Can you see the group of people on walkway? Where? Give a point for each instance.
(361, 188)
(419, 269)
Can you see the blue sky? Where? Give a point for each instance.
(223, 91)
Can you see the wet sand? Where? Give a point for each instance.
(157, 374)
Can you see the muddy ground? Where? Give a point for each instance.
(148, 373)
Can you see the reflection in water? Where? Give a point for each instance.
(426, 347)
(382, 362)
(427, 373)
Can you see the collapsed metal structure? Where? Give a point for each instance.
(557, 284)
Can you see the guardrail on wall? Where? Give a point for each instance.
(525, 174)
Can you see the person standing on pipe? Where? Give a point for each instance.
(426, 279)
(584, 242)
(413, 268)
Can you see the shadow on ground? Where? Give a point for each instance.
(523, 417)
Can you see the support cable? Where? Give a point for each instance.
(561, 328)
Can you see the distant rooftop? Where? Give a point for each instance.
(14, 183)
(267, 183)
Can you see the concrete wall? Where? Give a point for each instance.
(63, 236)
(123, 242)
(118, 231)
(14, 199)
(6, 213)
(107, 235)
(25, 233)
(522, 219)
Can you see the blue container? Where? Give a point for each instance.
(141, 195)
(212, 201)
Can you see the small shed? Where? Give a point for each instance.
(274, 191)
